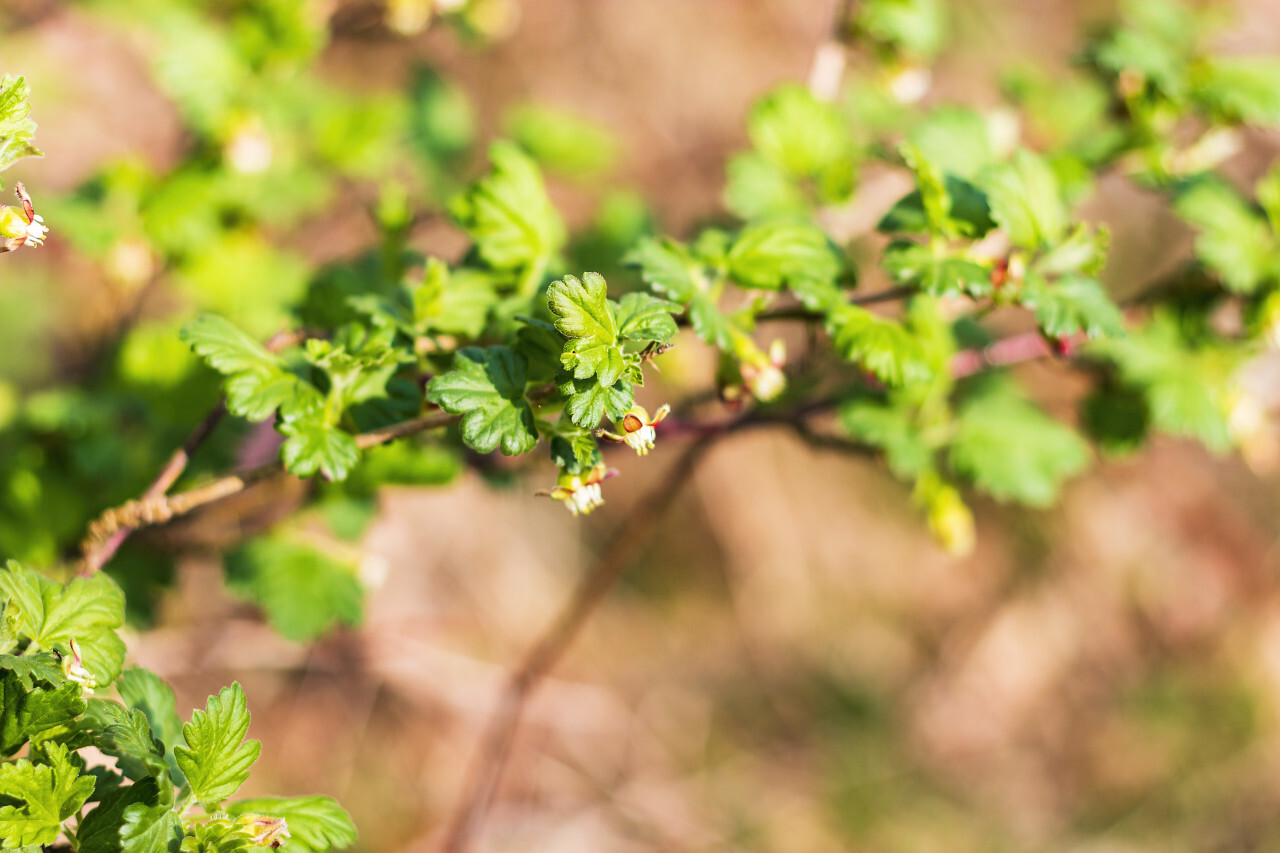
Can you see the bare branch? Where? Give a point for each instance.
(157, 509)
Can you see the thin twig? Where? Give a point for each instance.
(495, 745)
(799, 312)
(158, 509)
(105, 538)
(97, 552)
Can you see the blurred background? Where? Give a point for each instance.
(791, 664)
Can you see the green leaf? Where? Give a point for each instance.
(126, 735)
(755, 188)
(316, 823)
(893, 429)
(801, 143)
(589, 400)
(143, 690)
(226, 349)
(441, 118)
(150, 829)
(30, 669)
(1071, 305)
(969, 212)
(1012, 450)
(798, 133)
(508, 214)
(1116, 418)
(541, 345)
(256, 384)
(48, 793)
(562, 141)
(1084, 252)
(17, 130)
(917, 27)
(772, 254)
(456, 302)
(878, 345)
(1234, 241)
(35, 713)
(1157, 42)
(668, 267)
(216, 758)
(1181, 385)
(1245, 89)
(573, 448)
(100, 831)
(1025, 201)
(919, 266)
(487, 388)
(304, 591)
(955, 139)
(256, 396)
(86, 609)
(1268, 192)
(642, 317)
(709, 322)
(585, 316)
(218, 836)
(313, 447)
(358, 367)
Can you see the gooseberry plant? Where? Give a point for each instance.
(172, 784)
(400, 367)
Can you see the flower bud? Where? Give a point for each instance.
(949, 520)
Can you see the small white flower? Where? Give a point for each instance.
(36, 229)
(581, 495)
(637, 428)
(584, 498)
(73, 668)
(641, 441)
(21, 226)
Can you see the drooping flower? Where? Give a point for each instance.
(73, 668)
(637, 429)
(580, 494)
(21, 226)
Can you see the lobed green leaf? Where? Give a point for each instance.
(316, 823)
(486, 387)
(216, 757)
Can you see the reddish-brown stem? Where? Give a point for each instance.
(98, 551)
(110, 531)
(1012, 350)
(157, 509)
